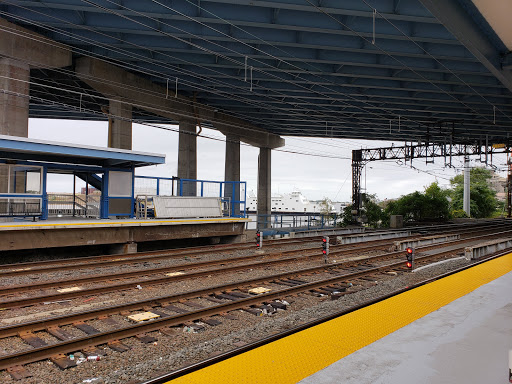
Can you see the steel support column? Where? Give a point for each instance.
(357, 167)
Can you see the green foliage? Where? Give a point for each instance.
(432, 205)
(459, 213)
(346, 216)
(483, 202)
(373, 214)
(325, 206)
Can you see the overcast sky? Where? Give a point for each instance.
(316, 177)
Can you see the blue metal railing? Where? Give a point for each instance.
(232, 193)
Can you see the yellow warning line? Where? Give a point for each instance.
(295, 357)
(115, 224)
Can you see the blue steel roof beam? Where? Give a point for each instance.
(469, 77)
(423, 116)
(274, 8)
(341, 88)
(264, 26)
(462, 112)
(349, 44)
(453, 16)
(437, 78)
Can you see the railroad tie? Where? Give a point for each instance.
(31, 339)
(146, 339)
(18, 372)
(117, 346)
(86, 328)
(59, 333)
(62, 361)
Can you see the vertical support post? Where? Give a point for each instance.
(74, 194)
(44, 202)
(264, 187)
(467, 197)
(356, 183)
(509, 186)
(104, 196)
(14, 78)
(232, 173)
(187, 156)
(119, 125)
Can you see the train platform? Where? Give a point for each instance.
(126, 233)
(457, 329)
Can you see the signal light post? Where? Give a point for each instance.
(325, 247)
(410, 258)
(259, 239)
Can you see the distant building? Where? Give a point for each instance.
(499, 184)
(294, 202)
(91, 191)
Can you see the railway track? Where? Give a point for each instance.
(178, 272)
(235, 294)
(203, 308)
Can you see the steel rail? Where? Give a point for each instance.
(39, 325)
(20, 269)
(124, 259)
(162, 379)
(87, 292)
(36, 354)
(135, 257)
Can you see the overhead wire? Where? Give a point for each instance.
(78, 26)
(202, 38)
(391, 56)
(90, 2)
(434, 58)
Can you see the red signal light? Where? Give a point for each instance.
(409, 250)
(409, 264)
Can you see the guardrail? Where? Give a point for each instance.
(478, 251)
(402, 245)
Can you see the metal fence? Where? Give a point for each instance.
(20, 206)
(232, 193)
(292, 222)
(65, 204)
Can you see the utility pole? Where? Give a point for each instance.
(467, 197)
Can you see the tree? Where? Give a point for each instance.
(483, 200)
(432, 205)
(373, 214)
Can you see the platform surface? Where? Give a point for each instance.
(455, 330)
(466, 341)
(55, 233)
(111, 223)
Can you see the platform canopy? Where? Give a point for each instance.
(12, 147)
(416, 70)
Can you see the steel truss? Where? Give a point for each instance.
(427, 151)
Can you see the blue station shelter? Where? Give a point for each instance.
(25, 164)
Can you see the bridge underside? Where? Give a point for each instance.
(292, 68)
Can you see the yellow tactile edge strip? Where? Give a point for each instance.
(295, 357)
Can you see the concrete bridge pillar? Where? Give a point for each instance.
(187, 155)
(232, 172)
(119, 125)
(264, 188)
(14, 91)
